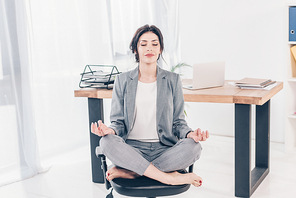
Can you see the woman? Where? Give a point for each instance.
(148, 134)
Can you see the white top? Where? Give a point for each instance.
(145, 113)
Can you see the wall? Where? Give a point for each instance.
(251, 36)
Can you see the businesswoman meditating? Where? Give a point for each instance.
(148, 134)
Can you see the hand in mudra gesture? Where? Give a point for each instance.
(101, 129)
(198, 135)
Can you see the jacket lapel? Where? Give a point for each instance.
(161, 93)
(132, 85)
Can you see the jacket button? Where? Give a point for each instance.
(160, 130)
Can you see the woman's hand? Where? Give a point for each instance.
(101, 129)
(198, 135)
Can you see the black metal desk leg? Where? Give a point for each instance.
(96, 112)
(261, 169)
(242, 150)
(247, 181)
(262, 135)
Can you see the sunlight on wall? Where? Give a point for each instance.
(1, 69)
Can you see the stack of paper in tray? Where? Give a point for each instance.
(255, 83)
(98, 76)
(97, 79)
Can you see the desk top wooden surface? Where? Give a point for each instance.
(226, 94)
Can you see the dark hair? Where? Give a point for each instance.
(139, 33)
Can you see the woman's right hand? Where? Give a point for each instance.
(101, 129)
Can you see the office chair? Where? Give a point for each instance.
(141, 186)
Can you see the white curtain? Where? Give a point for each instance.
(44, 46)
(18, 142)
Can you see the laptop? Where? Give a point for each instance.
(207, 75)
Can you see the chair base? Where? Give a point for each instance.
(146, 187)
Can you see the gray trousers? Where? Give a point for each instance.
(136, 156)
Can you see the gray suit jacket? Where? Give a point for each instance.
(171, 124)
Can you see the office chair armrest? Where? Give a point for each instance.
(191, 168)
(103, 166)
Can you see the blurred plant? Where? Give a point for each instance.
(178, 66)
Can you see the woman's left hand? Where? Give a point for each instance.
(101, 129)
(199, 135)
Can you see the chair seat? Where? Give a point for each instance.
(146, 187)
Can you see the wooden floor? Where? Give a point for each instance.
(71, 176)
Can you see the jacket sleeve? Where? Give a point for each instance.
(180, 127)
(117, 108)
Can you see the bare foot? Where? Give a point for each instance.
(116, 172)
(187, 178)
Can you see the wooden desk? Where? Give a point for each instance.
(226, 94)
(246, 180)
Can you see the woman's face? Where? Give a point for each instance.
(148, 48)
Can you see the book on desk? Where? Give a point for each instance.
(255, 83)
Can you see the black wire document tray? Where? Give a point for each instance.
(98, 76)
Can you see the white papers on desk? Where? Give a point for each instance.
(255, 83)
(269, 87)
